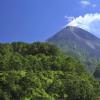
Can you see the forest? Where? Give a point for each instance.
(40, 71)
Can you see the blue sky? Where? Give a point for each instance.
(37, 20)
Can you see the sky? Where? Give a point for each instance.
(37, 20)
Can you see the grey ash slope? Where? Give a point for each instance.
(78, 42)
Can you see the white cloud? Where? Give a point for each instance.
(87, 3)
(89, 22)
(69, 19)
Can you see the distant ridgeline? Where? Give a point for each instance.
(80, 43)
(40, 71)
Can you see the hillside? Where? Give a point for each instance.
(80, 43)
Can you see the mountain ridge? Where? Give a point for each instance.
(78, 42)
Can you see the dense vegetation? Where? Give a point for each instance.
(97, 72)
(39, 71)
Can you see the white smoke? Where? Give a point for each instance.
(89, 22)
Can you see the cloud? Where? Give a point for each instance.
(89, 22)
(94, 5)
(69, 19)
(87, 3)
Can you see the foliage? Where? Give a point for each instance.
(97, 72)
(40, 71)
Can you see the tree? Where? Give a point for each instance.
(97, 72)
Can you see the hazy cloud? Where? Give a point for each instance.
(69, 19)
(87, 3)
